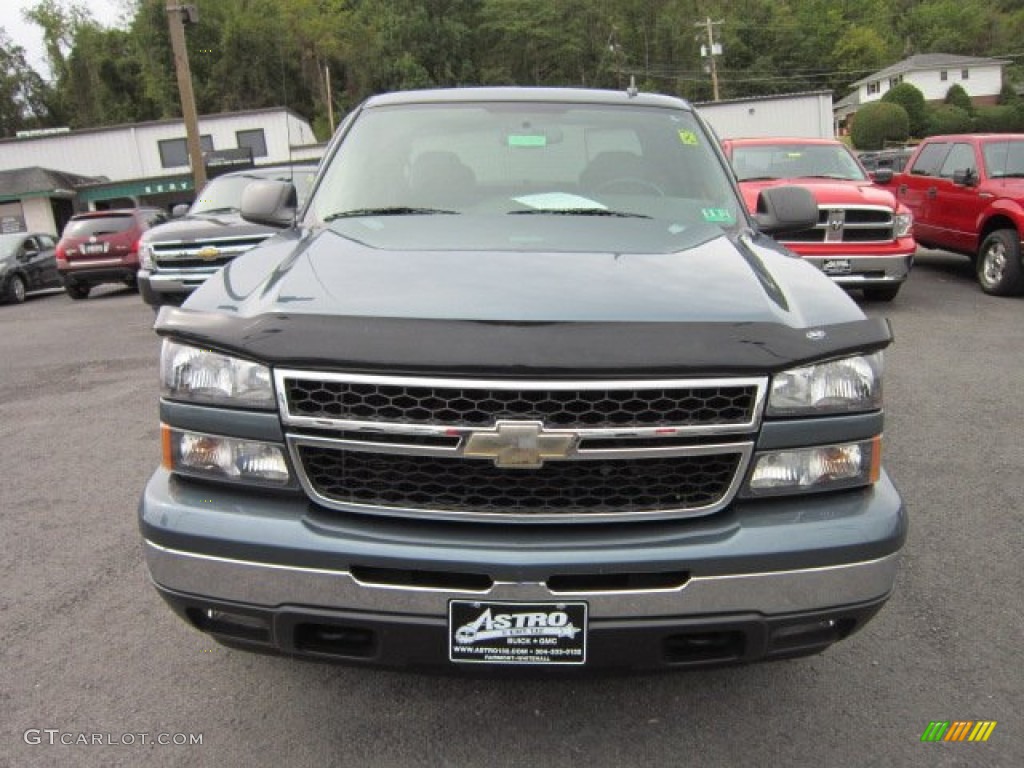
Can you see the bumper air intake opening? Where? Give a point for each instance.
(618, 582)
(335, 640)
(242, 626)
(808, 636)
(687, 647)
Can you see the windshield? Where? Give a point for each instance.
(466, 163)
(794, 161)
(1004, 159)
(224, 193)
(9, 245)
(105, 224)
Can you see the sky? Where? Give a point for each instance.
(30, 37)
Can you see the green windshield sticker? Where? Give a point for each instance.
(717, 215)
(688, 137)
(532, 140)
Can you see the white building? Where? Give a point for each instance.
(143, 162)
(805, 115)
(931, 73)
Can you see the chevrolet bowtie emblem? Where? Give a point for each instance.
(209, 252)
(519, 445)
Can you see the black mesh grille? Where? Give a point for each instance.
(593, 408)
(566, 487)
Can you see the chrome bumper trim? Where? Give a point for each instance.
(271, 585)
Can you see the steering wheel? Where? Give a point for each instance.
(633, 182)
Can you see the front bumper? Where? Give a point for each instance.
(171, 286)
(859, 271)
(760, 580)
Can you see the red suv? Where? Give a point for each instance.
(103, 247)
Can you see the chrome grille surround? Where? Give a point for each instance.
(421, 468)
(848, 224)
(185, 253)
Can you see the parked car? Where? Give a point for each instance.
(892, 159)
(103, 247)
(524, 383)
(967, 195)
(180, 255)
(28, 263)
(863, 235)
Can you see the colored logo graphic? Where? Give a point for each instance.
(958, 730)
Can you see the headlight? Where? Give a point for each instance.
(225, 458)
(203, 376)
(146, 256)
(901, 224)
(823, 468)
(848, 385)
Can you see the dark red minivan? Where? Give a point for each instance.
(103, 247)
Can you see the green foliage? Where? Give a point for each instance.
(999, 119)
(253, 53)
(1008, 95)
(22, 91)
(957, 96)
(947, 118)
(912, 100)
(878, 123)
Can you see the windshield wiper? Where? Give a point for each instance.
(582, 212)
(397, 210)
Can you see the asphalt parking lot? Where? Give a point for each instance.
(89, 650)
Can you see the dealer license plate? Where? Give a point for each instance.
(517, 633)
(836, 267)
(94, 248)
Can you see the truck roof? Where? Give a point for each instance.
(526, 94)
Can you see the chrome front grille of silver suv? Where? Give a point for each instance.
(203, 253)
(520, 451)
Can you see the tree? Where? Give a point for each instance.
(947, 118)
(22, 91)
(879, 122)
(912, 100)
(957, 96)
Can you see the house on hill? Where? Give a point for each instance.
(930, 73)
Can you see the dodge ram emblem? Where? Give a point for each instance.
(519, 444)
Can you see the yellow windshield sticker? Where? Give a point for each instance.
(688, 137)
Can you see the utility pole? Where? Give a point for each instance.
(177, 17)
(713, 49)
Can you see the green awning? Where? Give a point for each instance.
(139, 188)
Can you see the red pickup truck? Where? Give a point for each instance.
(862, 238)
(967, 196)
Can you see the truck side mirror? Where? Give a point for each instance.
(179, 210)
(786, 209)
(269, 202)
(881, 176)
(965, 177)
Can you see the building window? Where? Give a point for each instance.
(943, 75)
(963, 74)
(174, 152)
(254, 140)
(894, 81)
(873, 88)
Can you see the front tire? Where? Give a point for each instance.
(16, 289)
(77, 291)
(998, 265)
(881, 293)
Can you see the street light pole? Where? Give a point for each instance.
(177, 16)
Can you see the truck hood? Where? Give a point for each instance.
(827, 192)
(199, 227)
(418, 295)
